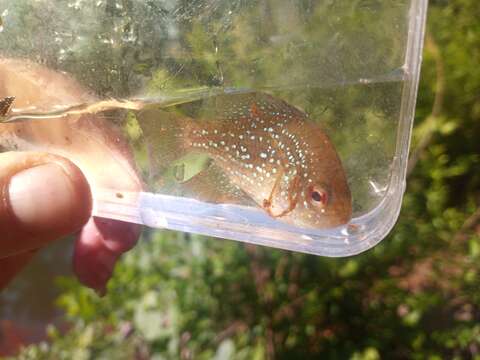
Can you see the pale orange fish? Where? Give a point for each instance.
(265, 151)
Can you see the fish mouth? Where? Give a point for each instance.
(343, 213)
(325, 221)
(341, 220)
(339, 215)
(334, 221)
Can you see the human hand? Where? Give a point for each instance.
(87, 141)
(42, 198)
(45, 197)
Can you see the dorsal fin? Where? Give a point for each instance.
(6, 105)
(249, 106)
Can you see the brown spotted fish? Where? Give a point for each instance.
(267, 152)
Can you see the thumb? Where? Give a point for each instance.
(42, 198)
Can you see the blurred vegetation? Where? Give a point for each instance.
(416, 295)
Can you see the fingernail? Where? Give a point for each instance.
(42, 197)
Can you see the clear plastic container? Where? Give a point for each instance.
(282, 123)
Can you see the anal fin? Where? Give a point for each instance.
(213, 186)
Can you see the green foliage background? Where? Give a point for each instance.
(416, 295)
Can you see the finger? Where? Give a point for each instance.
(97, 249)
(42, 198)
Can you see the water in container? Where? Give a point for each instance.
(281, 123)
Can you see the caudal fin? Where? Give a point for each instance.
(166, 137)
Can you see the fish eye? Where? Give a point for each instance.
(319, 196)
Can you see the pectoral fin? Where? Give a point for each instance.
(293, 193)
